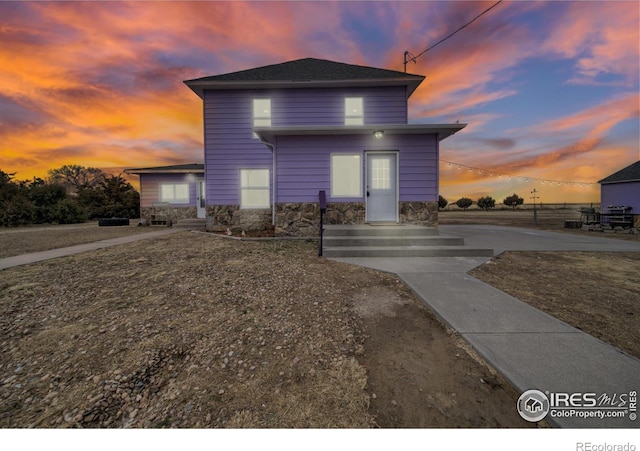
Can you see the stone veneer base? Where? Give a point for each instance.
(223, 217)
(173, 213)
(303, 219)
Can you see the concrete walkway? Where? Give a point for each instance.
(531, 349)
(34, 257)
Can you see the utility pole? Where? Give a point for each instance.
(408, 57)
(535, 211)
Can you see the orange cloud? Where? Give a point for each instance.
(100, 83)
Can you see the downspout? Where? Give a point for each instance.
(273, 177)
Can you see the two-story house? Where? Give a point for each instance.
(275, 136)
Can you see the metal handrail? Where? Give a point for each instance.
(323, 208)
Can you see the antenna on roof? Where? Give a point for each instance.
(408, 57)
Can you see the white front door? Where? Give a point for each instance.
(382, 187)
(201, 198)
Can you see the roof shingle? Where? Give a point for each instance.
(308, 70)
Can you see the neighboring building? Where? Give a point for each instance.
(622, 189)
(176, 192)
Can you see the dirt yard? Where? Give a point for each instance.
(598, 292)
(194, 330)
(23, 240)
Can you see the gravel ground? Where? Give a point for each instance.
(193, 330)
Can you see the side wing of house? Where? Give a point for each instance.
(175, 192)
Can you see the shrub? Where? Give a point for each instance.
(486, 203)
(68, 211)
(16, 211)
(464, 203)
(513, 201)
(442, 202)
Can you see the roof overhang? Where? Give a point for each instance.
(199, 85)
(602, 182)
(161, 170)
(269, 134)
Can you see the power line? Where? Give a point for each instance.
(519, 178)
(413, 58)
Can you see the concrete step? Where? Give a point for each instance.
(405, 251)
(397, 240)
(379, 230)
(190, 223)
(378, 241)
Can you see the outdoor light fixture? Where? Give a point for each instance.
(378, 134)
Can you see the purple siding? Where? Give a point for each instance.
(150, 188)
(228, 137)
(229, 144)
(627, 194)
(304, 165)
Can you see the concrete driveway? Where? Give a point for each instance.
(502, 239)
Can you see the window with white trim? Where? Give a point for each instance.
(261, 113)
(353, 111)
(346, 175)
(254, 188)
(174, 193)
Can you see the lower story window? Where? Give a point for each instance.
(175, 193)
(346, 175)
(254, 188)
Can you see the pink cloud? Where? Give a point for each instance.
(604, 36)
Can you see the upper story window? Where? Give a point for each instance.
(261, 113)
(353, 111)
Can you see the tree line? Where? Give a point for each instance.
(69, 194)
(486, 203)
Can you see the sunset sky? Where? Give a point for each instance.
(550, 90)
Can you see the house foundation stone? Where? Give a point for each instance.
(223, 217)
(303, 218)
(173, 213)
(419, 213)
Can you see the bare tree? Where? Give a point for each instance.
(74, 177)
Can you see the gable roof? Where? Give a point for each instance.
(629, 174)
(307, 72)
(174, 169)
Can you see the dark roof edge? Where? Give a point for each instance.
(629, 173)
(173, 169)
(198, 86)
(603, 182)
(443, 131)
